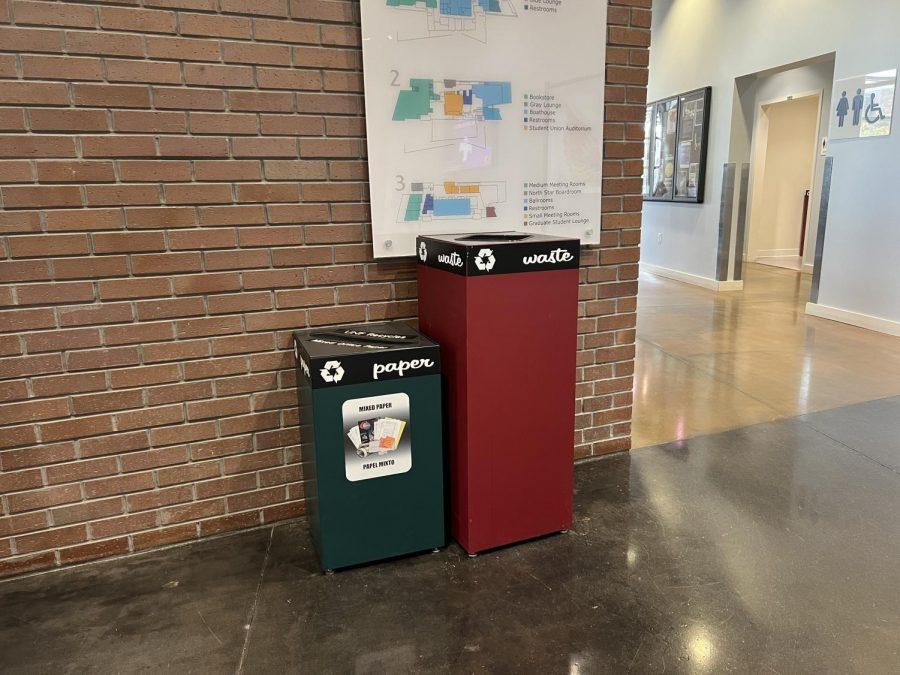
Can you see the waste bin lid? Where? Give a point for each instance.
(367, 352)
(497, 253)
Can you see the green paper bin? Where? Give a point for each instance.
(371, 441)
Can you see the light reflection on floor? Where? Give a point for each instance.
(708, 362)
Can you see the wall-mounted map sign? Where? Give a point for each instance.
(483, 115)
(863, 106)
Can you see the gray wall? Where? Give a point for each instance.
(713, 42)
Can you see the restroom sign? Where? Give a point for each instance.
(863, 106)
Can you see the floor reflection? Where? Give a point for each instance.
(707, 362)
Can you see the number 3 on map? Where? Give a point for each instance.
(401, 183)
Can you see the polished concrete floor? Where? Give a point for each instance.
(772, 548)
(708, 362)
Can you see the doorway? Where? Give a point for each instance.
(785, 147)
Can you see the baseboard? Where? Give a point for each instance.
(774, 253)
(868, 321)
(695, 279)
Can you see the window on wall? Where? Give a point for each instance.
(676, 131)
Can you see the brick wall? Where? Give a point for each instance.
(183, 182)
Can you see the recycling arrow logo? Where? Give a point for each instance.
(332, 371)
(423, 251)
(485, 260)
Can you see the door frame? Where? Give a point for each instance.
(758, 149)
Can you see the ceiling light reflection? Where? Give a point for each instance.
(701, 646)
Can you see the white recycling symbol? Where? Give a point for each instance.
(423, 251)
(332, 371)
(485, 260)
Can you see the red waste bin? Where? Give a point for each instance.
(504, 309)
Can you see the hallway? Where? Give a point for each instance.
(708, 362)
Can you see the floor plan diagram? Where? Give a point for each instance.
(453, 111)
(447, 17)
(451, 200)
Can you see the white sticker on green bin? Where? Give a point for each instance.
(376, 436)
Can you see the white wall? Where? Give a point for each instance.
(788, 159)
(712, 42)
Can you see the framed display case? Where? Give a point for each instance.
(675, 139)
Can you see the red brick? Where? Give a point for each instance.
(227, 170)
(103, 358)
(214, 26)
(37, 455)
(223, 123)
(81, 470)
(267, 192)
(139, 20)
(119, 96)
(235, 260)
(169, 535)
(56, 538)
(39, 93)
(190, 99)
(20, 480)
(103, 43)
(198, 193)
(40, 196)
(153, 72)
(317, 57)
(288, 78)
(114, 444)
(248, 52)
(187, 49)
(45, 246)
(138, 333)
(61, 68)
(133, 522)
(183, 433)
(297, 125)
(16, 171)
(37, 146)
(58, 340)
(160, 217)
(157, 263)
(118, 485)
(157, 498)
(232, 215)
(264, 101)
(25, 563)
(118, 146)
(152, 459)
(118, 195)
(218, 75)
(127, 242)
(202, 239)
(193, 511)
(75, 172)
(43, 498)
(94, 314)
(137, 377)
(52, 14)
(94, 550)
(55, 293)
(79, 513)
(207, 283)
(149, 121)
(178, 393)
(154, 170)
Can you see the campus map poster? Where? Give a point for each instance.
(483, 116)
